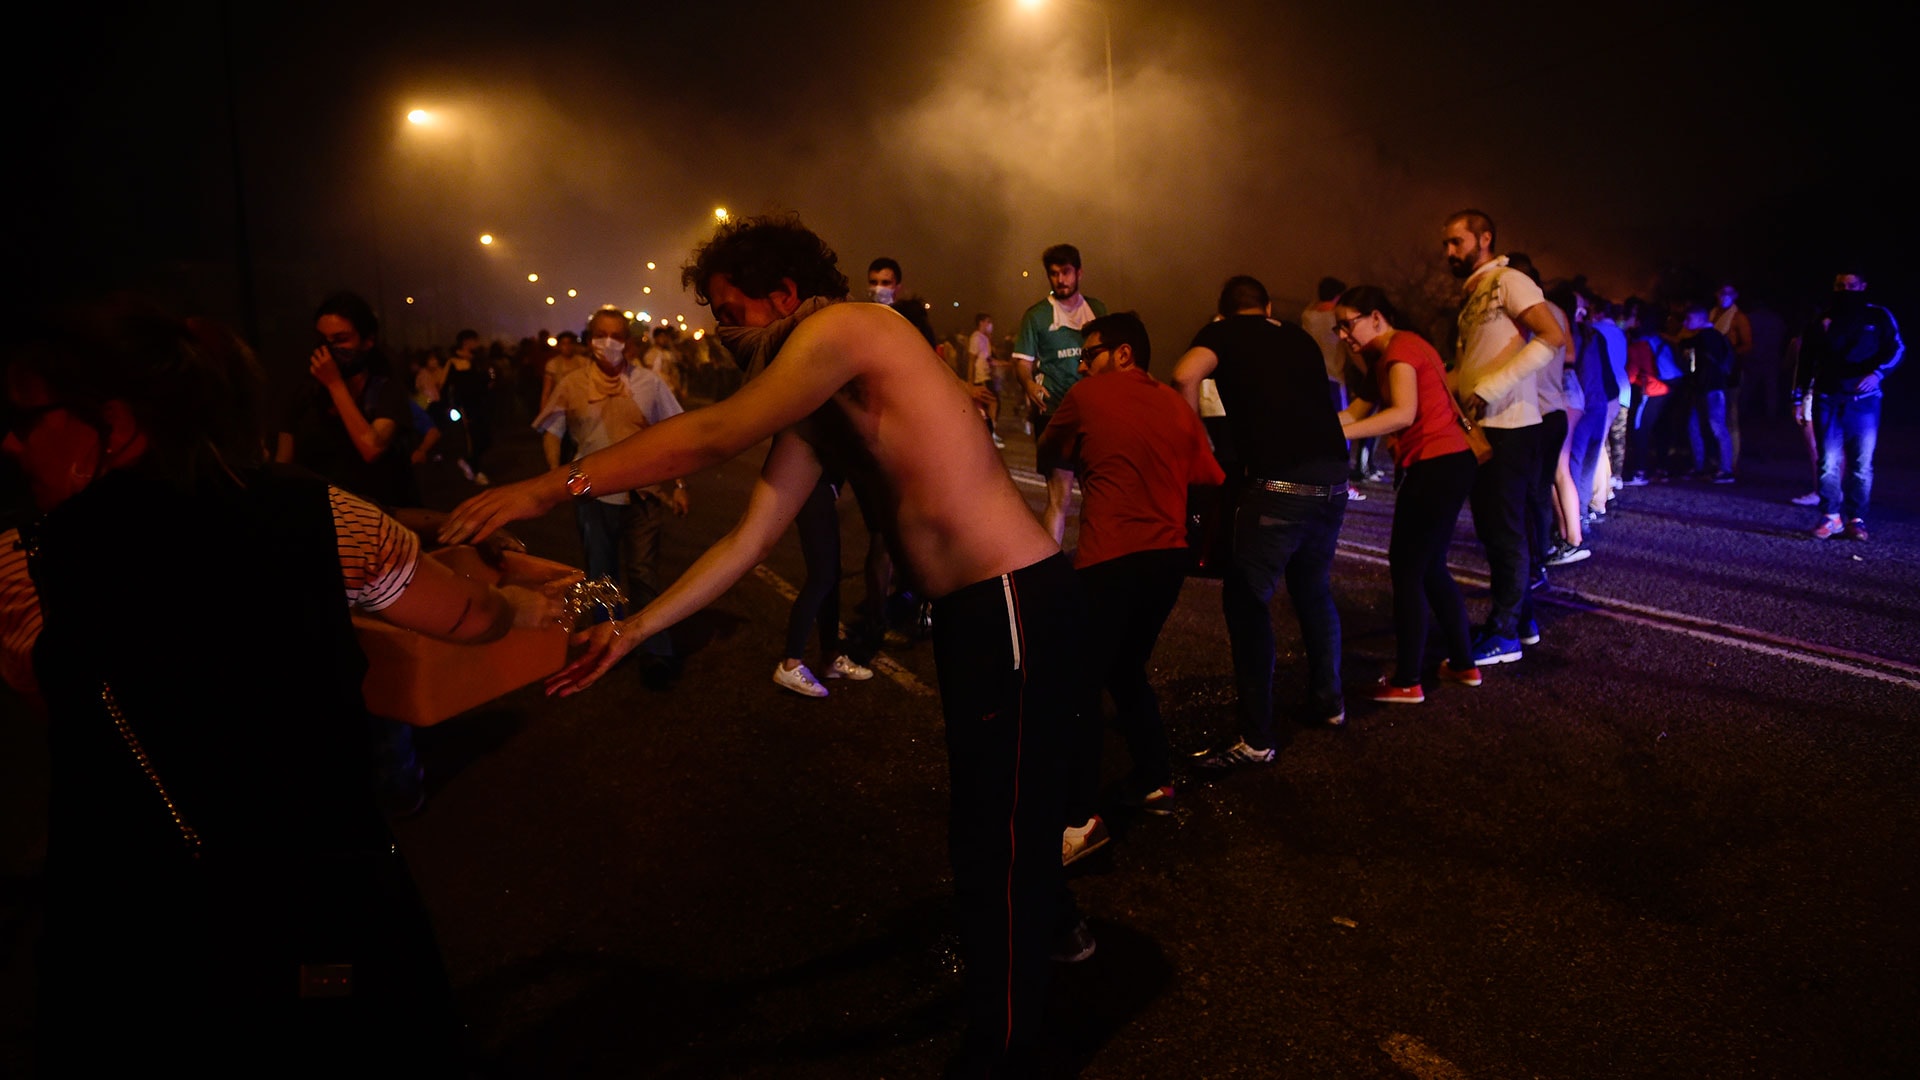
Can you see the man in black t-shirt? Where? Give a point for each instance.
(1272, 382)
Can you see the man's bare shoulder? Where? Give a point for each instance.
(858, 331)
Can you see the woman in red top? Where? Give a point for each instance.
(1435, 473)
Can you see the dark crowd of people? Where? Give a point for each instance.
(268, 889)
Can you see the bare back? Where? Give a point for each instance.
(906, 430)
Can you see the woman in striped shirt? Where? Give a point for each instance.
(215, 849)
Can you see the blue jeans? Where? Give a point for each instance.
(1847, 427)
(1294, 536)
(1710, 411)
(623, 542)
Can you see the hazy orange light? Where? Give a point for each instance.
(549, 299)
(720, 212)
(419, 116)
(486, 238)
(409, 299)
(649, 266)
(648, 289)
(533, 277)
(553, 340)
(573, 292)
(698, 334)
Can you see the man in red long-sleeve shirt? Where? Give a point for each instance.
(1135, 446)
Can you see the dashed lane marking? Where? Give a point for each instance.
(881, 662)
(1419, 1059)
(1863, 665)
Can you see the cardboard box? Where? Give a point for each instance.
(421, 681)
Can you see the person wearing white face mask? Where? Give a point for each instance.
(598, 405)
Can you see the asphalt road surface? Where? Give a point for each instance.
(1677, 839)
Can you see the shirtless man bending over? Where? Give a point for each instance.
(854, 386)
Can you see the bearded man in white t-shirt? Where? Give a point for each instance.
(1506, 335)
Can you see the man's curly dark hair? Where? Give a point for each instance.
(757, 253)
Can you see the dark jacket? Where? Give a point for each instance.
(1707, 356)
(1852, 340)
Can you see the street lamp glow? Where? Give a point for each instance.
(533, 277)
(549, 299)
(420, 116)
(573, 292)
(486, 239)
(698, 334)
(647, 290)
(720, 212)
(551, 340)
(409, 299)
(649, 266)
(644, 317)
(628, 314)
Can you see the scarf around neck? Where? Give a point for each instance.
(754, 347)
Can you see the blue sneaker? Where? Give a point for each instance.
(1491, 648)
(1529, 633)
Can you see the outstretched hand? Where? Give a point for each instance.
(606, 645)
(478, 518)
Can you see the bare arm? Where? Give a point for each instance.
(1403, 404)
(369, 439)
(827, 351)
(550, 445)
(1195, 366)
(442, 604)
(1023, 371)
(787, 478)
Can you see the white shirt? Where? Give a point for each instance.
(1490, 340)
(596, 420)
(980, 357)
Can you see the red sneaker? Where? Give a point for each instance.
(1465, 677)
(1385, 691)
(1829, 527)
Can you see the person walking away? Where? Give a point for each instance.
(1734, 325)
(980, 374)
(1704, 352)
(1436, 470)
(1291, 505)
(469, 392)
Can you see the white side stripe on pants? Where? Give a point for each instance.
(1013, 621)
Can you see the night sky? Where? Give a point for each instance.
(1647, 146)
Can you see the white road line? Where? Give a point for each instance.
(1419, 1059)
(881, 662)
(1805, 652)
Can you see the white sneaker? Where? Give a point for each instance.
(799, 680)
(1078, 843)
(844, 667)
